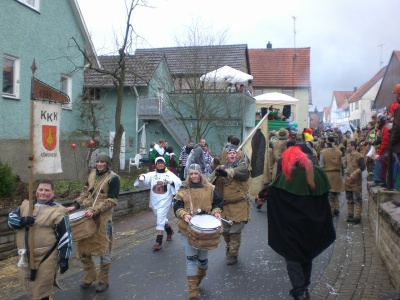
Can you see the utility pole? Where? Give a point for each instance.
(294, 30)
(380, 59)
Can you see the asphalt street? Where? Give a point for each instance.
(139, 273)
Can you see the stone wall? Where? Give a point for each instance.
(128, 203)
(384, 219)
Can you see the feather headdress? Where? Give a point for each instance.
(292, 157)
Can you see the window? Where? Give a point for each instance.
(288, 92)
(10, 87)
(35, 4)
(66, 87)
(257, 92)
(92, 94)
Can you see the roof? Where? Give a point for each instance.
(280, 67)
(367, 86)
(89, 48)
(139, 70)
(341, 98)
(200, 59)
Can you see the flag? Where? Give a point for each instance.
(255, 147)
(46, 137)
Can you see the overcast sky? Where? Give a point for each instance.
(344, 35)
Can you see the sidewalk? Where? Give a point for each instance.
(355, 270)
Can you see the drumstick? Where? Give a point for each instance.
(227, 221)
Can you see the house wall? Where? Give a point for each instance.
(303, 95)
(385, 95)
(364, 112)
(46, 38)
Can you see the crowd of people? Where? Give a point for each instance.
(303, 166)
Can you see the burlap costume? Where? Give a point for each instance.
(354, 165)
(47, 217)
(278, 147)
(95, 197)
(201, 199)
(234, 191)
(97, 244)
(331, 161)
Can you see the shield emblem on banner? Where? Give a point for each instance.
(49, 137)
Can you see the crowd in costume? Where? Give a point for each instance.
(309, 170)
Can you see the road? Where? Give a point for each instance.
(139, 273)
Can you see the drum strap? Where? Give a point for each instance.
(235, 201)
(100, 186)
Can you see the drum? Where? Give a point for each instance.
(81, 227)
(204, 232)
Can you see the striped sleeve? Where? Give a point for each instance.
(63, 234)
(14, 219)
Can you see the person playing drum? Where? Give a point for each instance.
(99, 196)
(196, 194)
(231, 182)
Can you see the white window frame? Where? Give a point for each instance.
(66, 79)
(16, 76)
(34, 4)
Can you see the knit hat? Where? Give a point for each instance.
(283, 133)
(195, 167)
(159, 158)
(231, 148)
(104, 157)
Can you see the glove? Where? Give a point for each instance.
(63, 264)
(221, 172)
(27, 221)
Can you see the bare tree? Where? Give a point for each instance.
(117, 73)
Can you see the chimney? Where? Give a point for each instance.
(269, 45)
(355, 89)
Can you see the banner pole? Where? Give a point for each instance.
(30, 181)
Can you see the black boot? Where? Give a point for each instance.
(157, 246)
(169, 231)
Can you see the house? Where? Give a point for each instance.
(340, 111)
(201, 108)
(326, 115)
(362, 100)
(36, 30)
(391, 77)
(286, 71)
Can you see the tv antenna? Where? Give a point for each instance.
(380, 59)
(294, 30)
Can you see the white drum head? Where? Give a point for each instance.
(205, 221)
(77, 215)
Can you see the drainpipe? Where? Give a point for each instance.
(133, 88)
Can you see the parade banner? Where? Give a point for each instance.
(46, 134)
(255, 147)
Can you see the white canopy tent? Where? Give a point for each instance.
(268, 99)
(226, 74)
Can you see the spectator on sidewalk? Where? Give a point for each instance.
(300, 225)
(51, 236)
(171, 160)
(163, 185)
(185, 152)
(395, 141)
(196, 193)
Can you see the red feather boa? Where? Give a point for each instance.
(294, 156)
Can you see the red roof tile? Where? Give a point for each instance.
(280, 67)
(367, 86)
(341, 98)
